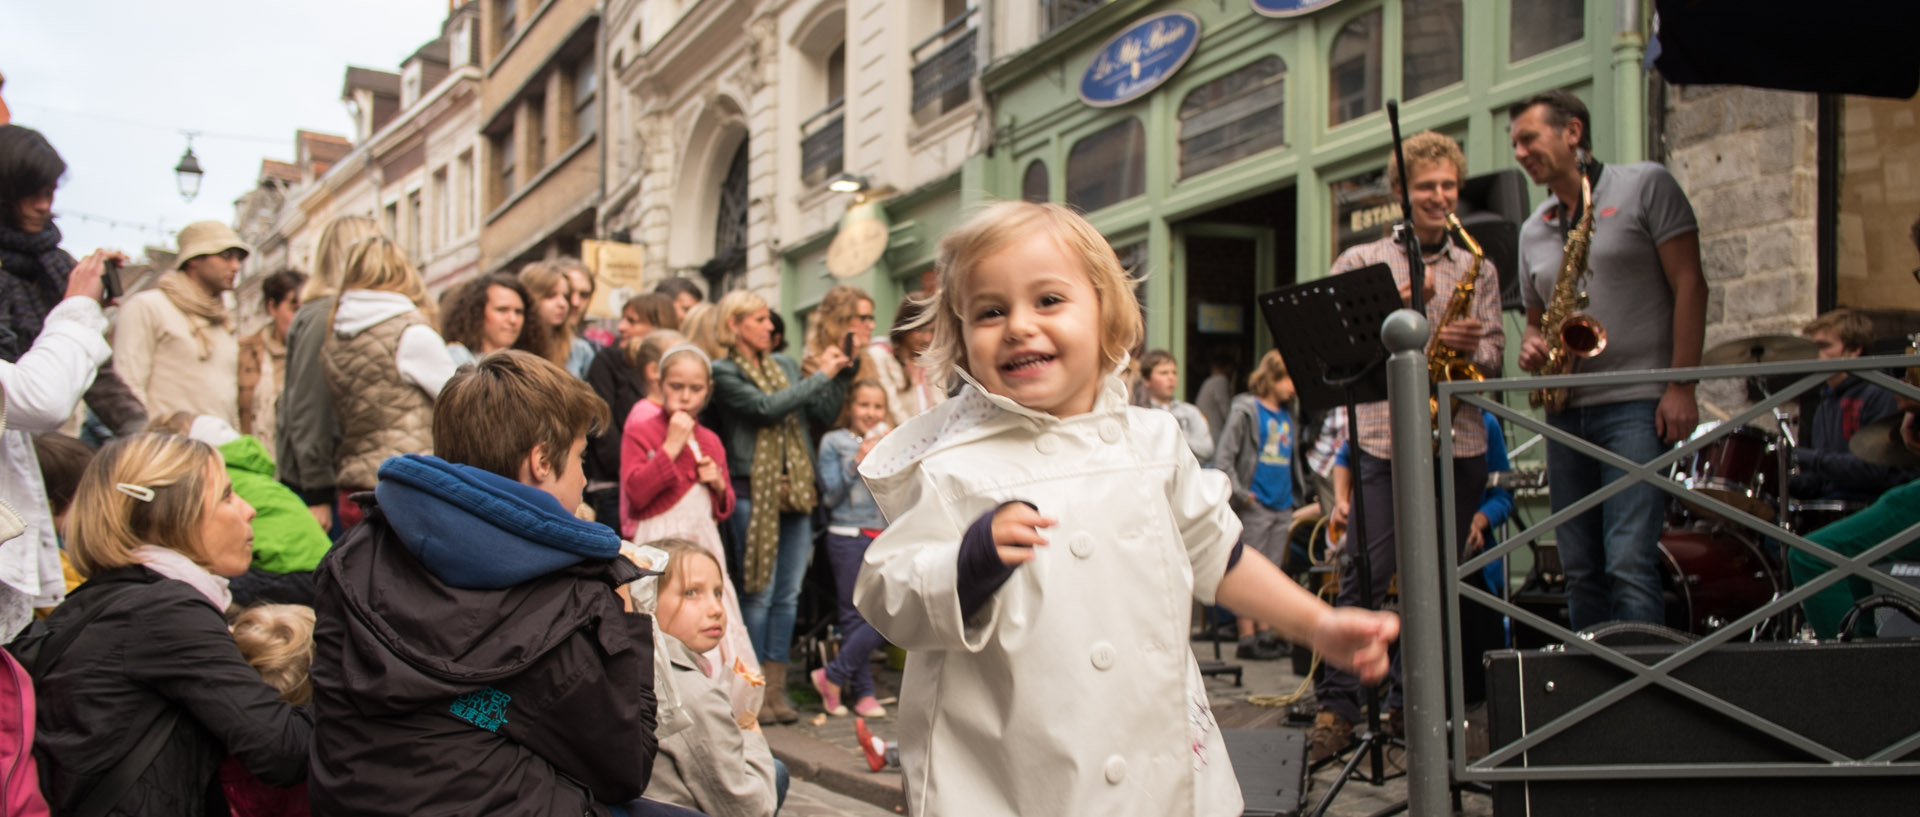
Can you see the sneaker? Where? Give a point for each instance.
(869, 708)
(829, 693)
(1331, 735)
(874, 748)
(1251, 649)
(1395, 723)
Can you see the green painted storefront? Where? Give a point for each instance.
(1208, 240)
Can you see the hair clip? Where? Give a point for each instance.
(140, 492)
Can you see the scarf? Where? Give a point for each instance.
(780, 466)
(36, 262)
(193, 300)
(175, 565)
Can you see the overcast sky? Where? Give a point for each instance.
(111, 83)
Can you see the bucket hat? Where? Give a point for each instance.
(207, 238)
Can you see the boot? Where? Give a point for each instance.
(776, 704)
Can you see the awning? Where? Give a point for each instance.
(1867, 47)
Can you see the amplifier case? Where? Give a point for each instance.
(1856, 699)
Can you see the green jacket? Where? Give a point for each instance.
(286, 539)
(740, 409)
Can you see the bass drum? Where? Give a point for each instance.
(1714, 577)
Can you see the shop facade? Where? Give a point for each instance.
(1261, 155)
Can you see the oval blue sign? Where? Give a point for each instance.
(1138, 59)
(1290, 8)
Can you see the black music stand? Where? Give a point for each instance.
(1332, 326)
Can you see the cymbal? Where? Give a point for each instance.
(1761, 349)
(1879, 443)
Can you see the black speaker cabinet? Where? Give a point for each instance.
(1854, 698)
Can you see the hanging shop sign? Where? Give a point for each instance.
(1290, 8)
(1140, 58)
(861, 242)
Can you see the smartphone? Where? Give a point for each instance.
(110, 279)
(846, 345)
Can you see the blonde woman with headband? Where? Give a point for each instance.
(306, 430)
(674, 482)
(142, 648)
(384, 365)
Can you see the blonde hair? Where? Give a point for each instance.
(542, 279)
(734, 306)
(845, 419)
(1272, 369)
(108, 521)
(992, 230)
(1427, 148)
(329, 262)
(702, 328)
(277, 639)
(377, 263)
(832, 317)
(678, 551)
(648, 350)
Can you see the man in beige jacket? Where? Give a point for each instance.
(174, 344)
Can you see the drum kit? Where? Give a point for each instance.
(1717, 571)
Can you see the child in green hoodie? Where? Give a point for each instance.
(287, 542)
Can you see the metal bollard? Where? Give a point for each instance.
(1422, 655)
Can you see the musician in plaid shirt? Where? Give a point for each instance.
(1436, 167)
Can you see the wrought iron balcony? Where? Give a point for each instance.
(941, 78)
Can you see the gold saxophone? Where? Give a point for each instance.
(1445, 363)
(1571, 334)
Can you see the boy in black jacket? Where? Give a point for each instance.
(472, 653)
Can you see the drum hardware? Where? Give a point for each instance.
(1716, 576)
(1879, 443)
(1809, 516)
(1761, 349)
(1744, 469)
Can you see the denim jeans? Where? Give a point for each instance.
(852, 669)
(1339, 691)
(769, 613)
(1611, 554)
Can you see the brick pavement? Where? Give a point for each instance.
(827, 753)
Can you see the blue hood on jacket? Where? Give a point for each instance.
(480, 531)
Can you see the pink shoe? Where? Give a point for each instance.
(874, 748)
(869, 708)
(829, 693)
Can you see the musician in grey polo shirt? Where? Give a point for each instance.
(1646, 288)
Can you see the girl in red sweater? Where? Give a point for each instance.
(674, 484)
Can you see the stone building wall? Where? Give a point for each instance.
(1747, 159)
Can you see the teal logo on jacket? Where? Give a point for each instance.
(485, 708)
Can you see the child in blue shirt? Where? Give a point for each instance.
(1256, 452)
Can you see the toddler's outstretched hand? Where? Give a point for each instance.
(1356, 640)
(1016, 531)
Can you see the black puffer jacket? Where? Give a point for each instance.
(430, 699)
(159, 644)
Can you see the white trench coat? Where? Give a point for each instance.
(1074, 690)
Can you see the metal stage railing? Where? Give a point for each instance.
(1428, 547)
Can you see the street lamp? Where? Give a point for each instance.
(188, 172)
(847, 183)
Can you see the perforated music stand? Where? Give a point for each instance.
(1328, 330)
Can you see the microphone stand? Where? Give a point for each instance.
(1416, 264)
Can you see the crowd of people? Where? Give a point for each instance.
(391, 554)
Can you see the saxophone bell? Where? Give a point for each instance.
(1581, 335)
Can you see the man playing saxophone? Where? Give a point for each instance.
(1642, 284)
(1435, 169)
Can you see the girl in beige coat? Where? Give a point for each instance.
(1057, 679)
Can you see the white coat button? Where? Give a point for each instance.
(1110, 430)
(1102, 657)
(1082, 544)
(1049, 443)
(1116, 769)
